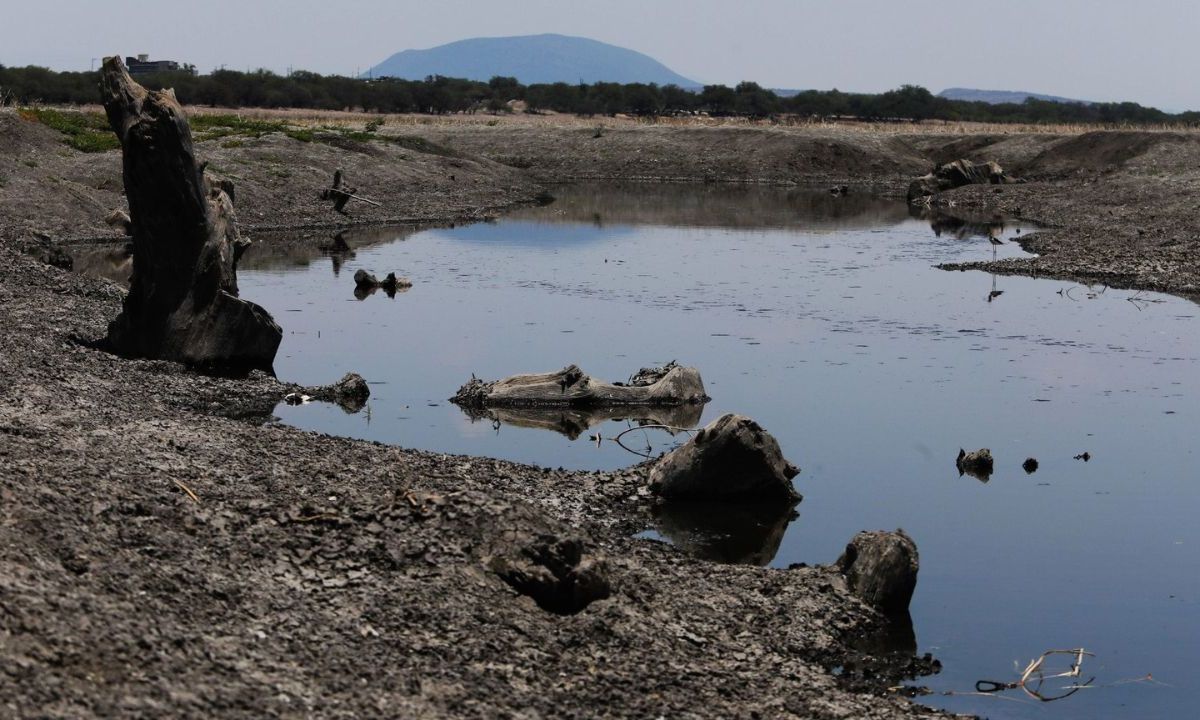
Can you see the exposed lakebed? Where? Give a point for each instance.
(823, 318)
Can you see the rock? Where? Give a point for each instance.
(956, 174)
(391, 284)
(120, 219)
(552, 569)
(351, 392)
(183, 300)
(881, 569)
(362, 278)
(732, 458)
(365, 284)
(977, 464)
(572, 387)
(1030, 466)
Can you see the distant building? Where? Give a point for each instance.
(143, 65)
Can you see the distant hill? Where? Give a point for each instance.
(996, 97)
(531, 59)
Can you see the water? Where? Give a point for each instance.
(824, 319)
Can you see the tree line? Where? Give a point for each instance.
(440, 95)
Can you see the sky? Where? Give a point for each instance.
(1102, 50)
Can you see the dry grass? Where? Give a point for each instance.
(352, 120)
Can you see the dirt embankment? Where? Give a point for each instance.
(158, 557)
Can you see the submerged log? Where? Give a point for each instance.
(572, 387)
(182, 303)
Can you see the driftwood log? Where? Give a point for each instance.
(954, 175)
(572, 387)
(182, 303)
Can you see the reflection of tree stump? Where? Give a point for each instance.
(182, 303)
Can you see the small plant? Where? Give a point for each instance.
(84, 131)
(374, 125)
(232, 144)
(31, 163)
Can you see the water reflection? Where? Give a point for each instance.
(964, 225)
(110, 261)
(723, 206)
(995, 293)
(746, 534)
(288, 250)
(573, 422)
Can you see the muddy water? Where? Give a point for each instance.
(824, 319)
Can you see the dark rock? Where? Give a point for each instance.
(351, 392)
(182, 303)
(362, 278)
(392, 284)
(1030, 465)
(881, 569)
(732, 458)
(956, 174)
(977, 464)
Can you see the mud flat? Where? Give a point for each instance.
(163, 552)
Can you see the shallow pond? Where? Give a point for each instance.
(824, 319)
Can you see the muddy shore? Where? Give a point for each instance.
(164, 552)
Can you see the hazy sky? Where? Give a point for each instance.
(1141, 50)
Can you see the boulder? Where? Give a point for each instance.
(956, 174)
(572, 387)
(732, 458)
(351, 392)
(881, 568)
(183, 300)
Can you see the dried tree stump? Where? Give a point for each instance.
(182, 303)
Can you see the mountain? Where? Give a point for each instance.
(531, 59)
(996, 97)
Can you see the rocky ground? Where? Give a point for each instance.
(164, 552)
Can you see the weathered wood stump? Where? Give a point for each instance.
(182, 303)
(572, 387)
